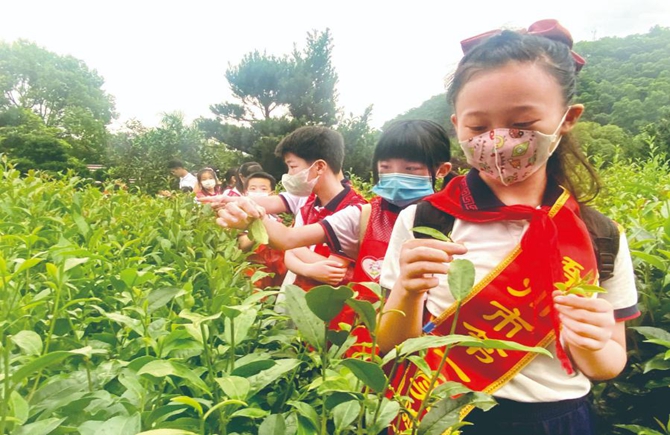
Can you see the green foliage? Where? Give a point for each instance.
(32, 145)
(61, 90)
(126, 314)
(359, 143)
(637, 196)
(276, 95)
(141, 154)
(436, 109)
(626, 80)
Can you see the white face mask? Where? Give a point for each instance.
(297, 184)
(208, 184)
(258, 194)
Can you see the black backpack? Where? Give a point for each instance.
(603, 231)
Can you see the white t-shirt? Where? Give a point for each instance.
(343, 230)
(188, 180)
(293, 204)
(543, 379)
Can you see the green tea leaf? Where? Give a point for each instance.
(461, 278)
(234, 387)
(243, 324)
(38, 364)
(326, 301)
(19, 406)
(445, 413)
(27, 264)
(163, 368)
(159, 297)
(41, 427)
(388, 411)
(120, 425)
(250, 413)
(273, 424)
(307, 411)
(432, 232)
(71, 263)
(366, 312)
(369, 373)
(29, 342)
(258, 232)
(167, 432)
(652, 333)
(188, 401)
(652, 260)
(266, 377)
(309, 325)
(344, 414)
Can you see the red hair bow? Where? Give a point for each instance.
(548, 28)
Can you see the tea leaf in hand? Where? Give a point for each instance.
(258, 232)
(461, 278)
(432, 232)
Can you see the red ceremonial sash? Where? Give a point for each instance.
(513, 302)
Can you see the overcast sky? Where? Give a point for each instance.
(164, 56)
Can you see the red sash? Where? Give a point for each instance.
(510, 303)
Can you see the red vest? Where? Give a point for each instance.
(375, 241)
(368, 268)
(312, 213)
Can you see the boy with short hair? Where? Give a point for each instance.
(260, 184)
(187, 181)
(315, 188)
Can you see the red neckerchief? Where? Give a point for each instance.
(539, 241)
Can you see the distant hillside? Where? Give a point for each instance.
(626, 82)
(434, 109)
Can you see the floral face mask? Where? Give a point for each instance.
(509, 153)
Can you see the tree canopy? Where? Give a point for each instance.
(61, 90)
(277, 94)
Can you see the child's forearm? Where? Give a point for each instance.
(409, 303)
(298, 260)
(272, 204)
(284, 238)
(605, 363)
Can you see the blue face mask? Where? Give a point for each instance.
(403, 189)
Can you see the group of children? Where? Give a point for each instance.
(518, 216)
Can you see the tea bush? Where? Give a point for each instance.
(125, 314)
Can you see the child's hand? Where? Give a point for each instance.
(239, 214)
(588, 323)
(218, 201)
(420, 259)
(327, 271)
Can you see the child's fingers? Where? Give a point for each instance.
(589, 338)
(448, 247)
(420, 285)
(596, 305)
(420, 268)
(593, 330)
(233, 217)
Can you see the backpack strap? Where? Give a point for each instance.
(605, 235)
(604, 232)
(429, 216)
(366, 209)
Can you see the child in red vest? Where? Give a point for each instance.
(315, 188)
(408, 159)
